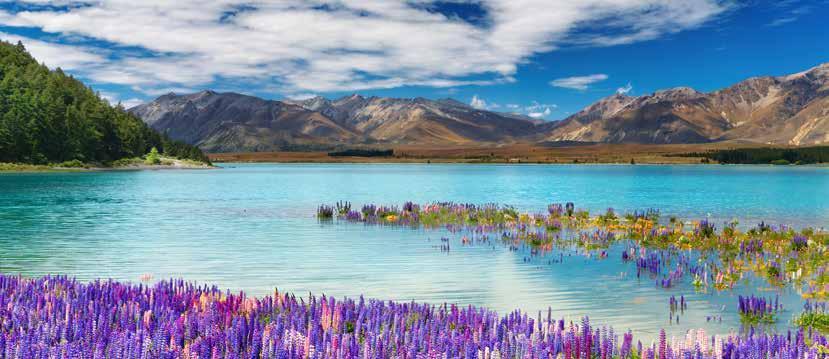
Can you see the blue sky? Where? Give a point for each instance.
(543, 58)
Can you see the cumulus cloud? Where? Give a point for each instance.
(481, 104)
(578, 82)
(624, 89)
(56, 55)
(539, 110)
(534, 109)
(542, 114)
(302, 46)
(301, 96)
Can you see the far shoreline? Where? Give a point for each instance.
(605, 154)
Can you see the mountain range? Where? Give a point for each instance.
(786, 110)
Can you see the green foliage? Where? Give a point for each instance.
(71, 164)
(362, 153)
(768, 155)
(49, 117)
(813, 320)
(124, 162)
(153, 158)
(768, 318)
(18, 167)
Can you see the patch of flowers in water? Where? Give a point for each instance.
(780, 254)
(758, 309)
(815, 316)
(59, 317)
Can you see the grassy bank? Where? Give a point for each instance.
(25, 167)
(136, 163)
(551, 153)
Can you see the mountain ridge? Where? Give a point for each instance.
(784, 110)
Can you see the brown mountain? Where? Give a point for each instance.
(420, 120)
(230, 122)
(786, 110)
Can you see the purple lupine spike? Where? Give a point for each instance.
(175, 318)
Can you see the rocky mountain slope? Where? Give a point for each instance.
(230, 122)
(786, 110)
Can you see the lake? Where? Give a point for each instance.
(252, 227)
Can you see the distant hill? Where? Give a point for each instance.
(787, 110)
(49, 117)
(230, 122)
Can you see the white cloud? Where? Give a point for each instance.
(301, 96)
(481, 104)
(624, 89)
(161, 90)
(534, 109)
(299, 46)
(539, 110)
(790, 15)
(544, 113)
(130, 103)
(578, 82)
(66, 57)
(782, 21)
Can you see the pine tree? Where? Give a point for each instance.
(50, 117)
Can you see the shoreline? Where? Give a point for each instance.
(103, 169)
(173, 164)
(627, 154)
(712, 164)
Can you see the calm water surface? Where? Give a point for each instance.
(252, 228)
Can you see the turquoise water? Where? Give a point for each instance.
(252, 228)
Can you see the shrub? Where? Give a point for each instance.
(153, 158)
(123, 162)
(815, 316)
(71, 164)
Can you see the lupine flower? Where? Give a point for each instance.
(706, 229)
(799, 242)
(325, 212)
(569, 208)
(353, 216)
(555, 210)
(63, 318)
(815, 316)
(343, 207)
(757, 309)
(369, 210)
(765, 251)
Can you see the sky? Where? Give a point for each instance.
(542, 58)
